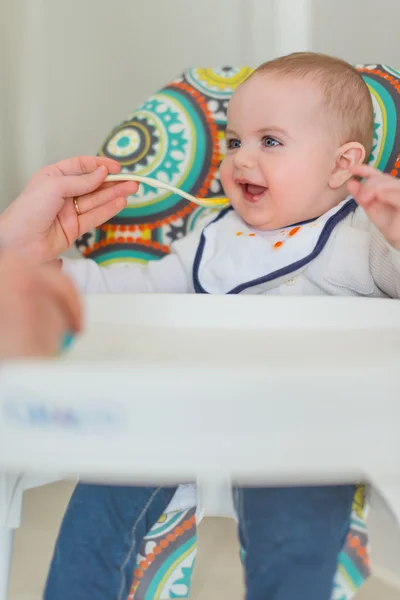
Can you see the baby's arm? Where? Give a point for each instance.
(379, 196)
(172, 274)
(166, 275)
(385, 264)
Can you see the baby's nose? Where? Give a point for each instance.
(245, 157)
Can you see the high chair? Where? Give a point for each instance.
(177, 135)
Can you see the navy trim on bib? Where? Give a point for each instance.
(330, 225)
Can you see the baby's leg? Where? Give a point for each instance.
(100, 535)
(292, 538)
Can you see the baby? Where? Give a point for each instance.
(299, 129)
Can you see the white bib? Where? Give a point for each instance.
(232, 256)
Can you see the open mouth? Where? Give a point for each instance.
(252, 192)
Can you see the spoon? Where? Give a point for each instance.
(156, 183)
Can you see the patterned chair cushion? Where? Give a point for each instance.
(177, 136)
(166, 558)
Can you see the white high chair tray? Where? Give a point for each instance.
(167, 388)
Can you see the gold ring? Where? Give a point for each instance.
(78, 211)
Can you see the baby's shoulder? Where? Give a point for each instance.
(343, 266)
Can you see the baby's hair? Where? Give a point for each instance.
(346, 97)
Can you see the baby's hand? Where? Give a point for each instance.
(379, 196)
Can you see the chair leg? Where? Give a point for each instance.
(6, 541)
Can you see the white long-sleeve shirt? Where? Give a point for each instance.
(340, 254)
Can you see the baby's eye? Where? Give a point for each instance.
(270, 142)
(232, 144)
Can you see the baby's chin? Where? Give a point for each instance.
(263, 226)
(259, 221)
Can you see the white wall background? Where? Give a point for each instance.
(71, 70)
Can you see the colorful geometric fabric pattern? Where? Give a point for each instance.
(384, 86)
(166, 558)
(177, 135)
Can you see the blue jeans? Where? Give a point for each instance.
(291, 538)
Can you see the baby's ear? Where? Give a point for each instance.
(347, 156)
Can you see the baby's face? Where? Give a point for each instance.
(280, 153)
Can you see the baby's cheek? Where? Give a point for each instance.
(225, 174)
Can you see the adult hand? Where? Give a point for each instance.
(38, 306)
(43, 222)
